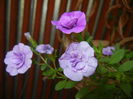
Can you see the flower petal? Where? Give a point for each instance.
(88, 71)
(54, 22)
(11, 70)
(75, 76)
(25, 67)
(92, 61)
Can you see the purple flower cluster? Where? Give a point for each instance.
(108, 50)
(69, 22)
(18, 60)
(78, 61)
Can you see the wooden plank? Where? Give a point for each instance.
(2, 49)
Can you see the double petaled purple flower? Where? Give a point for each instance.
(108, 50)
(19, 59)
(78, 61)
(69, 22)
(45, 48)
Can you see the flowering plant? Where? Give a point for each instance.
(97, 71)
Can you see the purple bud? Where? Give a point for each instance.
(27, 35)
(45, 48)
(108, 50)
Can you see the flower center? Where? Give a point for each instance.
(46, 48)
(70, 24)
(77, 63)
(19, 59)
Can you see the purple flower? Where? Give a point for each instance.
(19, 59)
(69, 22)
(78, 61)
(108, 50)
(45, 48)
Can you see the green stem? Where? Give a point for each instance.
(49, 65)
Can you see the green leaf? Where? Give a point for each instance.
(88, 38)
(44, 66)
(59, 69)
(70, 84)
(82, 93)
(79, 37)
(51, 58)
(60, 85)
(96, 49)
(126, 66)
(127, 88)
(49, 72)
(104, 59)
(117, 56)
(102, 69)
(129, 55)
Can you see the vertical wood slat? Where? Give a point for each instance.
(25, 28)
(43, 89)
(28, 92)
(55, 17)
(12, 41)
(43, 20)
(20, 20)
(101, 22)
(2, 50)
(104, 27)
(47, 35)
(97, 17)
(41, 83)
(62, 10)
(7, 31)
(68, 5)
(91, 22)
(32, 16)
(48, 21)
(37, 20)
(52, 35)
(108, 33)
(8, 3)
(19, 33)
(89, 8)
(85, 5)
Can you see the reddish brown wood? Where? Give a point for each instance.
(2, 49)
(26, 19)
(129, 27)
(48, 21)
(58, 33)
(36, 37)
(102, 19)
(92, 18)
(25, 28)
(30, 82)
(12, 41)
(84, 5)
(47, 37)
(38, 19)
(73, 5)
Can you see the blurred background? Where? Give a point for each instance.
(106, 20)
